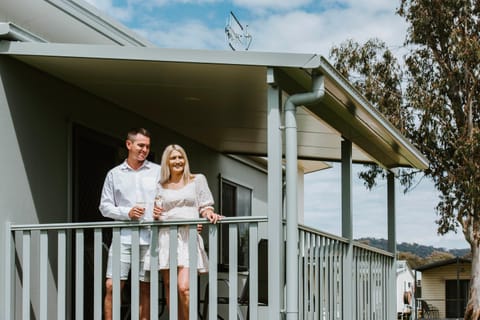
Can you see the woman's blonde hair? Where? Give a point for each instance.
(165, 170)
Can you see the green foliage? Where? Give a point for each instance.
(443, 86)
(373, 69)
(433, 100)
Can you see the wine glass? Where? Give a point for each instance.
(141, 203)
(159, 200)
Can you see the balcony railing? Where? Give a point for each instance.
(325, 269)
(57, 271)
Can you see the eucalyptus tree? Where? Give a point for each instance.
(433, 98)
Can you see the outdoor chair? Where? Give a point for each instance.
(428, 311)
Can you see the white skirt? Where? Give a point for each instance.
(163, 251)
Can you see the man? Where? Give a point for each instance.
(128, 194)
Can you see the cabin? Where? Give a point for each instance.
(405, 289)
(73, 81)
(445, 287)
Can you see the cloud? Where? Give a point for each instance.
(119, 13)
(307, 32)
(304, 26)
(191, 34)
(162, 3)
(272, 5)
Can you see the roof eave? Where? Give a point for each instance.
(373, 133)
(385, 132)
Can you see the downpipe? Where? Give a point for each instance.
(291, 154)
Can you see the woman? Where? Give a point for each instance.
(183, 196)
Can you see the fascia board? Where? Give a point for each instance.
(374, 119)
(260, 59)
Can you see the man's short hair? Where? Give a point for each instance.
(134, 131)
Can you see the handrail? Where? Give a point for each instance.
(322, 233)
(108, 224)
(345, 240)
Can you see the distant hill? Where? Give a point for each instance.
(419, 250)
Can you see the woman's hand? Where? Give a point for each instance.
(211, 216)
(157, 212)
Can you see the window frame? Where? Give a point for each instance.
(223, 245)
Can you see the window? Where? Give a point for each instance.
(236, 201)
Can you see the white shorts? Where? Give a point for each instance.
(125, 260)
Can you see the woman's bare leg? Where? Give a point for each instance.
(166, 283)
(183, 293)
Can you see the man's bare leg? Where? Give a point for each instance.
(108, 301)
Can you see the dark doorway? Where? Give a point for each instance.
(94, 154)
(456, 295)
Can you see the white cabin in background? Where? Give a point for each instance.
(405, 285)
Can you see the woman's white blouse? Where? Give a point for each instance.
(184, 203)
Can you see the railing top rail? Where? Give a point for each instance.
(374, 249)
(322, 233)
(122, 224)
(345, 240)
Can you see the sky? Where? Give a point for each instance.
(299, 26)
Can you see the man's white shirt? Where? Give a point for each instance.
(123, 188)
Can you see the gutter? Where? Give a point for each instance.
(12, 32)
(291, 156)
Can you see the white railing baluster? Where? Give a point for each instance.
(253, 270)
(232, 271)
(321, 278)
(43, 275)
(311, 278)
(212, 272)
(316, 277)
(301, 277)
(134, 271)
(116, 295)
(9, 306)
(26, 275)
(154, 280)
(62, 275)
(342, 269)
(173, 275)
(98, 275)
(193, 270)
(336, 277)
(79, 267)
